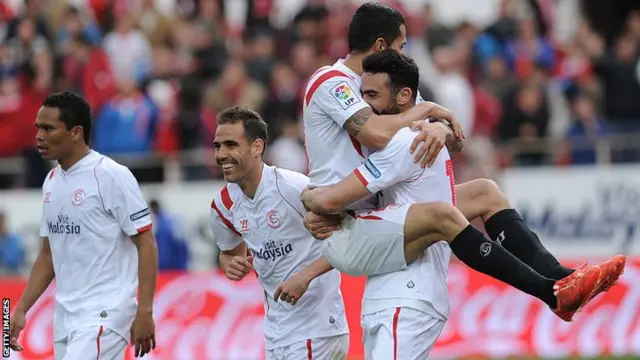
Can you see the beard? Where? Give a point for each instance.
(390, 109)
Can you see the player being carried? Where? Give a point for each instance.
(96, 241)
(390, 243)
(260, 209)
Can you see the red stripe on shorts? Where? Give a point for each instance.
(309, 350)
(98, 341)
(395, 333)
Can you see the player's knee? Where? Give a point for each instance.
(445, 216)
(490, 192)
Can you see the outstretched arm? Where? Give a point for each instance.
(375, 131)
(334, 198)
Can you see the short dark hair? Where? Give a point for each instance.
(372, 21)
(74, 111)
(254, 126)
(402, 70)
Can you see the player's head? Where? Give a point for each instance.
(389, 82)
(239, 143)
(64, 124)
(375, 27)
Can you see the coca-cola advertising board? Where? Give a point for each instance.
(580, 211)
(204, 316)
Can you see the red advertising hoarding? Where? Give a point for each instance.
(205, 316)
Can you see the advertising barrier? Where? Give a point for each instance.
(204, 316)
(580, 211)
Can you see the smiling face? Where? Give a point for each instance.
(236, 155)
(54, 140)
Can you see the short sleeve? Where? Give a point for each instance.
(388, 166)
(339, 97)
(291, 184)
(44, 227)
(123, 200)
(226, 236)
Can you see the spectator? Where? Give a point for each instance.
(173, 250)
(287, 151)
(128, 49)
(526, 118)
(11, 249)
(76, 26)
(529, 49)
(588, 127)
(234, 88)
(497, 79)
(453, 90)
(126, 123)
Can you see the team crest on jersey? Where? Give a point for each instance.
(273, 219)
(344, 94)
(78, 197)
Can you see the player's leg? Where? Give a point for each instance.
(566, 296)
(330, 348)
(95, 342)
(400, 333)
(482, 198)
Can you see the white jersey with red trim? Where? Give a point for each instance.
(423, 284)
(271, 226)
(332, 96)
(89, 212)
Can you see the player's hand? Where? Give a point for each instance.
(321, 226)
(292, 289)
(143, 333)
(433, 137)
(239, 267)
(17, 323)
(440, 112)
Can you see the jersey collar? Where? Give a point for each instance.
(81, 163)
(266, 172)
(342, 67)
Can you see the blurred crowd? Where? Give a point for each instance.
(156, 78)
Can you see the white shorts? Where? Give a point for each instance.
(370, 243)
(327, 348)
(399, 334)
(91, 343)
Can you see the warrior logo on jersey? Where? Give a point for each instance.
(272, 251)
(78, 197)
(273, 219)
(345, 96)
(64, 226)
(373, 170)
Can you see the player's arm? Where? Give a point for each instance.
(452, 143)
(41, 276)
(340, 98)
(233, 259)
(381, 169)
(375, 131)
(292, 289)
(235, 263)
(123, 199)
(145, 242)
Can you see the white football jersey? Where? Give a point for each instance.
(271, 226)
(89, 213)
(333, 96)
(423, 284)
